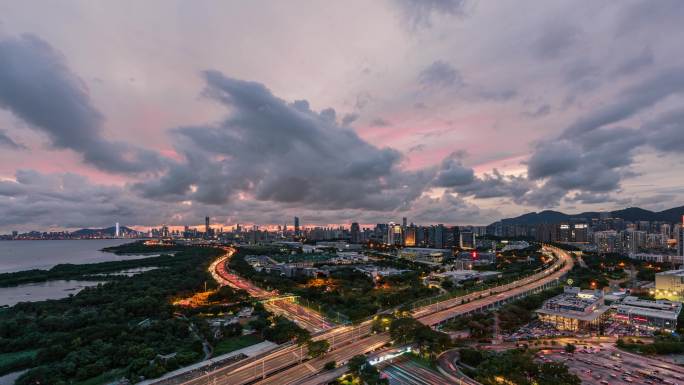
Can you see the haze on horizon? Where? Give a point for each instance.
(442, 111)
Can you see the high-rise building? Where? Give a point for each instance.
(680, 239)
(403, 222)
(296, 225)
(394, 235)
(117, 231)
(440, 236)
(355, 233)
(207, 228)
(410, 236)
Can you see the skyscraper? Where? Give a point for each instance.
(680, 239)
(117, 232)
(403, 222)
(296, 225)
(207, 229)
(355, 232)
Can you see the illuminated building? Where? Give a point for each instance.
(296, 226)
(421, 254)
(394, 235)
(645, 314)
(574, 310)
(670, 285)
(410, 236)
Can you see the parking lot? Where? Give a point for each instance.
(604, 364)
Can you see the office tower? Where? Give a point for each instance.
(410, 236)
(440, 235)
(296, 225)
(394, 235)
(403, 222)
(355, 232)
(680, 239)
(117, 231)
(206, 225)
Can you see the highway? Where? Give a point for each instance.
(434, 314)
(606, 363)
(404, 371)
(285, 362)
(306, 318)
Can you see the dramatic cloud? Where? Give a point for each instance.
(556, 110)
(37, 86)
(271, 150)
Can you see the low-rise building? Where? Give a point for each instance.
(574, 310)
(423, 254)
(670, 285)
(647, 314)
(458, 276)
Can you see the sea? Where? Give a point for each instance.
(26, 255)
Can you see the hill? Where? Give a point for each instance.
(108, 231)
(672, 215)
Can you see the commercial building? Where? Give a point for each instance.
(670, 285)
(467, 240)
(422, 254)
(646, 314)
(458, 276)
(574, 310)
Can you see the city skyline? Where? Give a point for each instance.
(443, 115)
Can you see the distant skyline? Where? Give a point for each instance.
(442, 111)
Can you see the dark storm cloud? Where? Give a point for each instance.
(453, 173)
(70, 200)
(7, 142)
(419, 13)
(593, 155)
(631, 101)
(440, 74)
(276, 151)
(37, 86)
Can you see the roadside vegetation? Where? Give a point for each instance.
(514, 367)
(351, 293)
(129, 326)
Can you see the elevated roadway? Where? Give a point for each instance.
(288, 365)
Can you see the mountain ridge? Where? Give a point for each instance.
(672, 215)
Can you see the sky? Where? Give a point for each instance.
(442, 111)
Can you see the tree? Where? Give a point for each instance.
(330, 365)
(356, 363)
(570, 348)
(317, 348)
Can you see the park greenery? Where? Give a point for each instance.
(479, 326)
(349, 292)
(406, 330)
(361, 372)
(128, 327)
(514, 367)
(520, 312)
